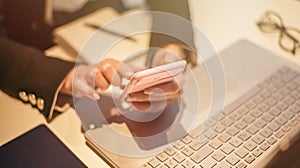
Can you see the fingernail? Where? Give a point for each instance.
(129, 74)
(170, 58)
(96, 96)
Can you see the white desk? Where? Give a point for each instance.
(223, 22)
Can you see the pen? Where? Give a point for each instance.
(109, 31)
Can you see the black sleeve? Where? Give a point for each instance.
(182, 31)
(26, 73)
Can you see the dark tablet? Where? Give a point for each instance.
(38, 148)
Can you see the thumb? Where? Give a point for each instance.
(82, 87)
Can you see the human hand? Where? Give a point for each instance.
(156, 98)
(84, 80)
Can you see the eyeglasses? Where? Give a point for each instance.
(289, 39)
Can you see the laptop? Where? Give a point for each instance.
(261, 117)
(38, 147)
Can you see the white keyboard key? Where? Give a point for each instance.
(241, 124)
(267, 117)
(252, 129)
(179, 157)
(196, 145)
(154, 162)
(249, 159)
(248, 119)
(232, 131)
(241, 165)
(235, 116)
(233, 160)
(288, 76)
(264, 146)
(170, 151)
(260, 123)
(284, 91)
(272, 88)
(235, 142)
(264, 94)
(179, 145)
(220, 128)
(218, 156)
(289, 100)
(272, 140)
(257, 152)
(244, 135)
(201, 154)
(208, 163)
(275, 112)
(292, 123)
(171, 163)
(258, 139)
(258, 99)
(227, 122)
(281, 106)
(279, 134)
(266, 132)
(216, 144)
(198, 131)
(274, 126)
(281, 120)
(210, 134)
(187, 139)
(278, 96)
(263, 107)
(227, 149)
(224, 137)
(223, 164)
(211, 122)
(178, 166)
(295, 94)
(145, 166)
(286, 128)
(187, 151)
(243, 110)
(250, 146)
(162, 156)
(291, 86)
(295, 109)
(251, 104)
(271, 101)
(256, 113)
(187, 164)
(241, 152)
(288, 114)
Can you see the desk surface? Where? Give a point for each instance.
(222, 21)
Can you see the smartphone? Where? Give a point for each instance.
(154, 76)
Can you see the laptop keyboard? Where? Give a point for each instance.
(247, 130)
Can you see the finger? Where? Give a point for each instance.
(170, 57)
(123, 69)
(167, 88)
(150, 107)
(100, 81)
(165, 56)
(141, 97)
(110, 74)
(82, 87)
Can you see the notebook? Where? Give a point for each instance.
(90, 43)
(261, 118)
(38, 148)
